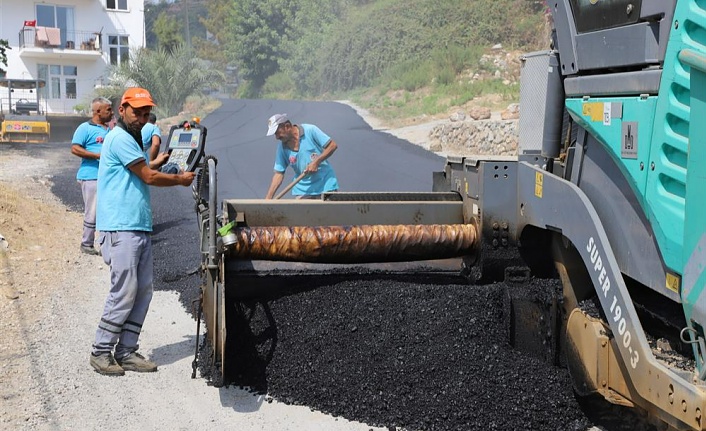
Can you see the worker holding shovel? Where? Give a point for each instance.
(306, 148)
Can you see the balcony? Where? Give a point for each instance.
(48, 42)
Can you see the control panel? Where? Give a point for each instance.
(186, 145)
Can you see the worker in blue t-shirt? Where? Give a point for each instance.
(124, 219)
(306, 149)
(86, 144)
(151, 137)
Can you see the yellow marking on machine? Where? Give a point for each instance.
(593, 110)
(538, 184)
(673, 282)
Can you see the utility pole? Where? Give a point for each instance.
(188, 30)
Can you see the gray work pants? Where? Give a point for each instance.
(129, 254)
(88, 190)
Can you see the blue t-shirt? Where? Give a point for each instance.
(311, 144)
(90, 136)
(123, 198)
(149, 130)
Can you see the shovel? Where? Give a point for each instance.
(292, 184)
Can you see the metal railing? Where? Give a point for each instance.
(31, 37)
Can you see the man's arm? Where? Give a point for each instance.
(328, 151)
(155, 178)
(78, 150)
(154, 148)
(277, 179)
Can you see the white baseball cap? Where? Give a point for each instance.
(274, 122)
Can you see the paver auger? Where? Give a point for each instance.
(262, 246)
(608, 194)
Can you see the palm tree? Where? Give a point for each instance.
(170, 76)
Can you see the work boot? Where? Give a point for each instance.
(90, 250)
(105, 364)
(136, 362)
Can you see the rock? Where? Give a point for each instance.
(458, 116)
(512, 112)
(479, 113)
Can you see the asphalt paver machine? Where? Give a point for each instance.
(608, 193)
(23, 116)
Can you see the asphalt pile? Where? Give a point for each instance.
(398, 354)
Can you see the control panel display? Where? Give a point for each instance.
(181, 138)
(186, 145)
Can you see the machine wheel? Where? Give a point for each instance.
(586, 350)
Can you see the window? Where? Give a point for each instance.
(61, 81)
(60, 17)
(118, 49)
(116, 4)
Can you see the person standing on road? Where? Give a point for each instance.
(304, 147)
(124, 219)
(151, 137)
(86, 144)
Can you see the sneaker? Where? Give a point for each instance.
(105, 364)
(136, 362)
(90, 250)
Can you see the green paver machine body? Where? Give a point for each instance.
(611, 179)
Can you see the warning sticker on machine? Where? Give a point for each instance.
(628, 147)
(593, 110)
(538, 184)
(673, 282)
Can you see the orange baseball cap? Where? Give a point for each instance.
(137, 98)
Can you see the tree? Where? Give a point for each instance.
(306, 37)
(4, 46)
(217, 23)
(170, 76)
(152, 12)
(168, 31)
(260, 31)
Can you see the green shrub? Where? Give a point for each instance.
(445, 76)
(81, 109)
(456, 58)
(408, 75)
(246, 90)
(278, 85)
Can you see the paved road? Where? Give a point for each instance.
(366, 160)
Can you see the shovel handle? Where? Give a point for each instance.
(292, 184)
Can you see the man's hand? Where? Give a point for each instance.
(186, 178)
(312, 167)
(161, 159)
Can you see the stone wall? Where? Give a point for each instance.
(469, 137)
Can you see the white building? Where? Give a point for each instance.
(69, 44)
